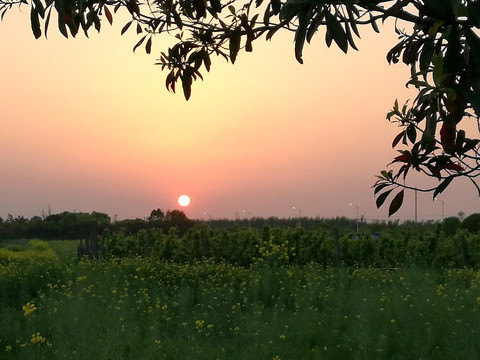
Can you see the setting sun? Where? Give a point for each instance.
(184, 200)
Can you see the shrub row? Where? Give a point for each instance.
(429, 247)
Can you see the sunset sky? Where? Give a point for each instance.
(86, 125)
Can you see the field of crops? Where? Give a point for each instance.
(54, 307)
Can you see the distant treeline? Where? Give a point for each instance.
(78, 225)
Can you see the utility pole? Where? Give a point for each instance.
(299, 215)
(356, 206)
(416, 219)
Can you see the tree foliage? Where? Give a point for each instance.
(78, 225)
(441, 45)
(472, 223)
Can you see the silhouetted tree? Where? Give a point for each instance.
(156, 215)
(450, 225)
(472, 223)
(178, 219)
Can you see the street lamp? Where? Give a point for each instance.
(356, 206)
(299, 214)
(249, 215)
(209, 218)
(443, 207)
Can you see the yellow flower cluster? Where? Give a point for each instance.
(275, 251)
(199, 325)
(38, 339)
(28, 308)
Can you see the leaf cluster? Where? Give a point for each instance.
(71, 15)
(443, 53)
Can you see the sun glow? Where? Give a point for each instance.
(183, 200)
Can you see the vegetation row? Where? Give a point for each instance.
(436, 247)
(142, 308)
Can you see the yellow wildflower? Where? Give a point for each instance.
(28, 308)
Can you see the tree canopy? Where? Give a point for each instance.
(438, 39)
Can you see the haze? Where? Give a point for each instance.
(86, 125)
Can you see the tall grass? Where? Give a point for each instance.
(144, 309)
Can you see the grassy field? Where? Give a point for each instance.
(52, 307)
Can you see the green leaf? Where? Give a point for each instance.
(439, 8)
(148, 45)
(353, 20)
(396, 203)
(312, 28)
(335, 28)
(328, 38)
(216, 6)
(272, 32)
(177, 19)
(3, 13)
(234, 43)
(35, 23)
(132, 7)
(434, 28)
(473, 10)
(39, 7)
(382, 197)
(426, 54)
(471, 96)
(206, 60)
(139, 43)
(443, 185)
(469, 145)
(350, 37)
(47, 21)
(473, 42)
(60, 7)
(374, 24)
(397, 139)
(108, 14)
(125, 27)
(453, 56)
(186, 78)
(379, 187)
(276, 6)
(200, 8)
(412, 133)
(170, 81)
(438, 74)
(301, 33)
(410, 53)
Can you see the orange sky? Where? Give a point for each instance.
(87, 125)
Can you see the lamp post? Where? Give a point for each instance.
(443, 207)
(416, 218)
(209, 218)
(299, 214)
(249, 216)
(356, 206)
